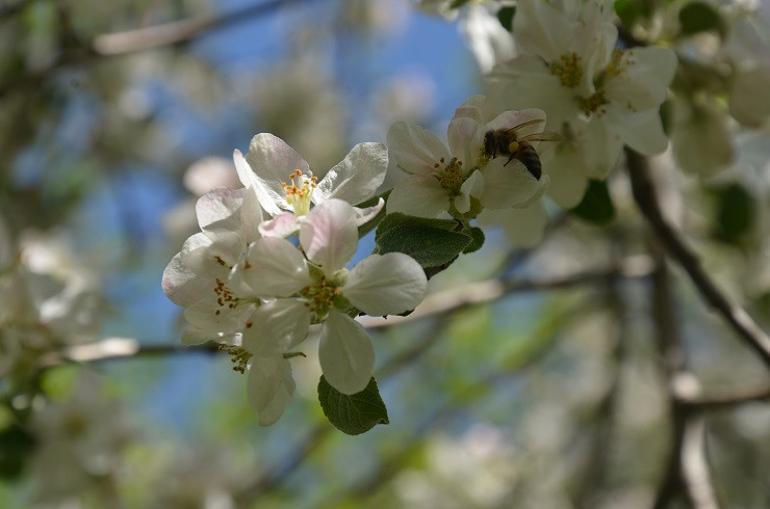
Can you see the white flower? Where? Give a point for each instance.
(597, 97)
(315, 287)
(702, 142)
(524, 227)
(287, 189)
(197, 277)
(461, 179)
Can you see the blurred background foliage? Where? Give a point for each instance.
(553, 394)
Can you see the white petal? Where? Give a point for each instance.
(600, 146)
(507, 184)
(568, 177)
(329, 234)
(365, 215)
(542, 30)
(282, 225)
(472, 187)
(386, 284)
(414, 149)
(230, 212)
(750, 96)
(277, 327)
(418, 196)
(643, 83)
(185, 276)
(642, 131)
(357, 177)
(346, 354)
(270, 387)
(273, 267)
(208, 316)
(523, 227)
(463, 133)
(272, 160)
(273, 202)
(514, 118)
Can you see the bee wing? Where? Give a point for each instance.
(525, 124)
(544, 136)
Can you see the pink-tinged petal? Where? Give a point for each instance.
(273, 160)
(230, 213)
(270, 387)
(473, 108)
(508, 184)
(282, 225)
(329, 234)
(357, 177)
(418, 196)
(190, 271)
(276, 327)
(273, 267)
(463, 135)
(365, 215)
(386, 284)
(345, 353)
(414, 149)
(272, 201)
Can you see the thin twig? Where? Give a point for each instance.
(727, 400)
(695, 467)
(646, 198)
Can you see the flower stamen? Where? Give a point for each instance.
(568, 69)
(299, 190)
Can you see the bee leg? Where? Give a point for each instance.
(509, 160)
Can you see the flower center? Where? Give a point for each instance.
(225, 298)
(298, 191)
(322, 295)
(593, 103)
(568, 69)
(450, 175)
(239, 356)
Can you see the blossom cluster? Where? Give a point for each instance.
(271, 264)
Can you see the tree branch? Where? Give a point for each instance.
(646, 198)
(695, 468)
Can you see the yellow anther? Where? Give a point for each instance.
(568, 69)
(298, 191)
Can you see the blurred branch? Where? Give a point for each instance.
(727, 400)
(695, 468)
(137, 40)
(646, 198)
(182, 31)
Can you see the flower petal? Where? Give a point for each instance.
(270, 387)
(282, 225)
(386, 284)
(523, 227)
(271, 201)
(365, 215)
(357, 177)
(414, 149)
(277, 327)
(568, 179)
(507, 184)
(273, 267)
(643, 81)
(329, 234)
(542, 29)
(642, 131)
(472, 187)
(418, 196)
(346, 353)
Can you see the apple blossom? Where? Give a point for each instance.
(287, 189)
(197, 277)
(308, 285)
(461, 179)
(597, 96)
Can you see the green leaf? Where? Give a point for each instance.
(432, 242)
(596, 206)
(16, 446)
(699, 17)
(353, 413)
(630, 11)
(456, 4)
(477, 234)
(736, 210)
(505, 15)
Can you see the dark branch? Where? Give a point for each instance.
(646, 198)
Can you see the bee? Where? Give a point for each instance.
(500, 142)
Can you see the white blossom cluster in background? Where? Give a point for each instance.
(49, 300)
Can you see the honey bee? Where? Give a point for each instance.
(499, 142)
